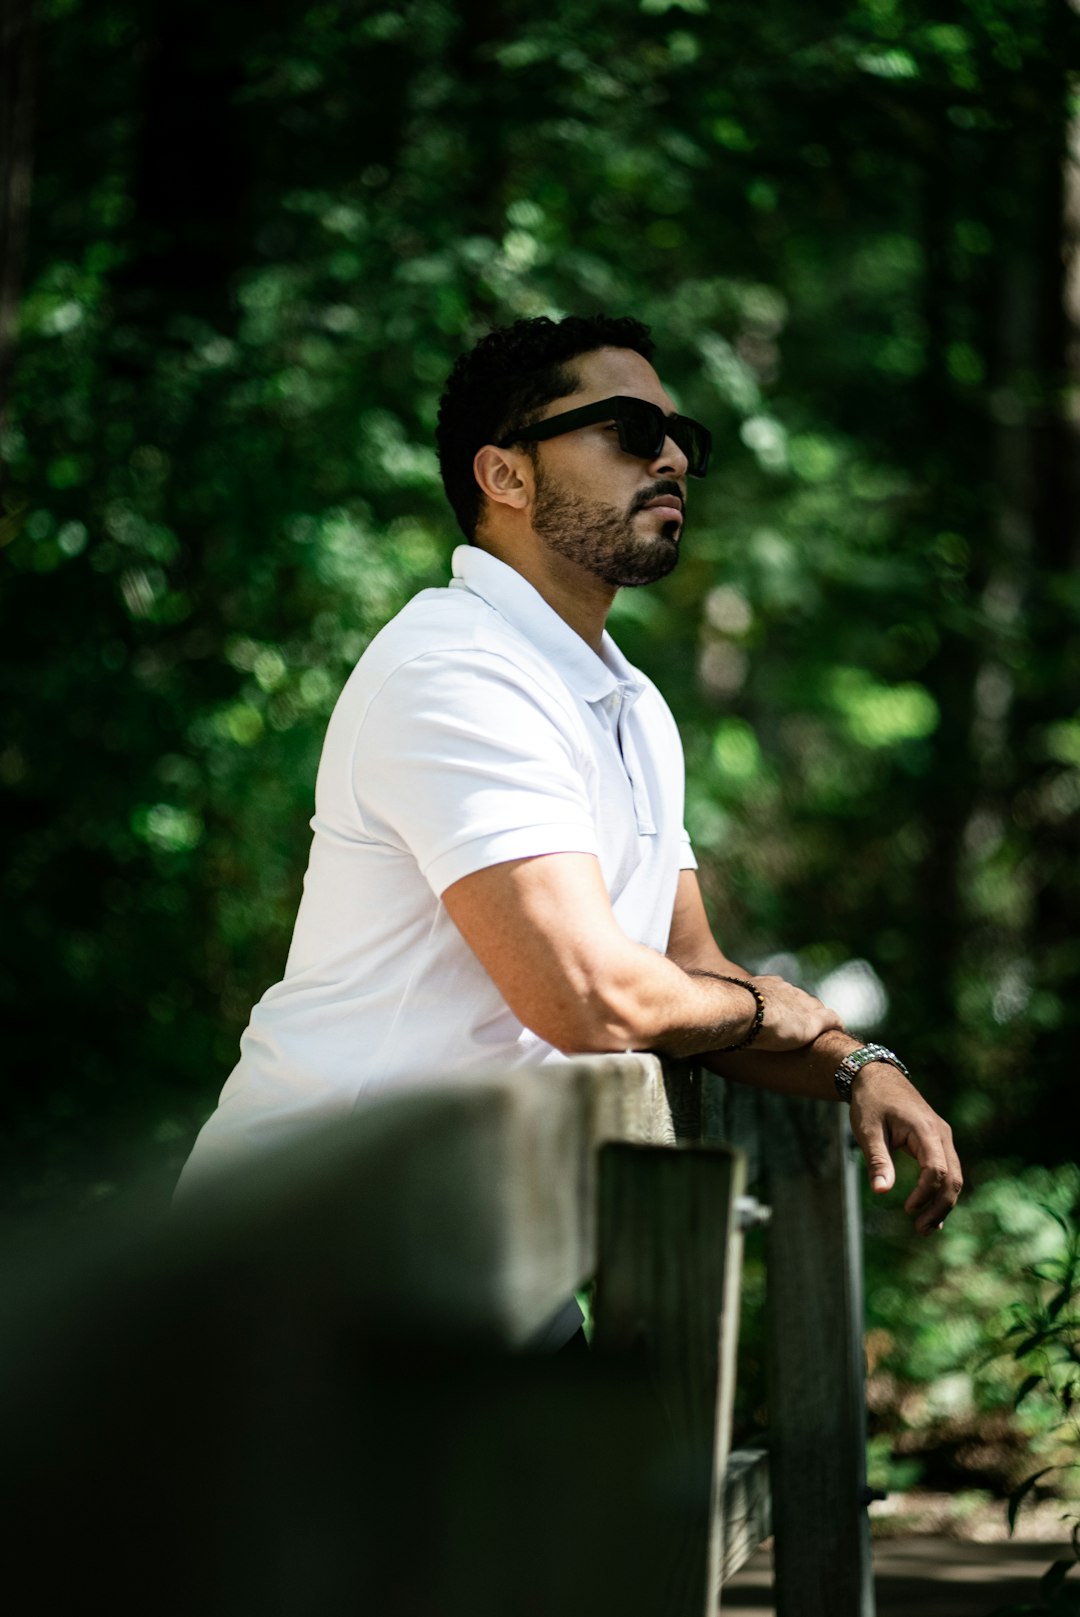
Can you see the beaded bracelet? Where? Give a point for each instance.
(740, 982)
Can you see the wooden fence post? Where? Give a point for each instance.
(669, 1259)
(296, 1394)
(817, 1408)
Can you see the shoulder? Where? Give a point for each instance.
(451, 643)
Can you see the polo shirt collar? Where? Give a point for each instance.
(524, 609)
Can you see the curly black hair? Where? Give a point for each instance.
(504, 382)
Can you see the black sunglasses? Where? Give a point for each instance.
(642, 429)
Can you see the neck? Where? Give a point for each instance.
(580, 598)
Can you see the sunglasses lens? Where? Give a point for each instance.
(695, 441)
(641, 429)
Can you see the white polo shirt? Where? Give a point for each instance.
(477, 727)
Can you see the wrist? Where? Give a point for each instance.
(854, 1065)
(747, 1028)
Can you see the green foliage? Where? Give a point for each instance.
(257, 240)
(1048, 1327)
(984, 1371)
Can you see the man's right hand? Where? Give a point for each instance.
(793, 1018)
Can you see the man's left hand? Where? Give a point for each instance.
(889, 1114)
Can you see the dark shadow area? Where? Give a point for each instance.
(212, 1419)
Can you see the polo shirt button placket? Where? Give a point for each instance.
(646, 825)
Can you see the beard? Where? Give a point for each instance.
(601, 538)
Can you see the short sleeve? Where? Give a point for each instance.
(465, 762)
(687, 860)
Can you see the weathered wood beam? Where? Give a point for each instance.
(668, 1262)
(492, 1184)
(816, 1374)
(302, 1381)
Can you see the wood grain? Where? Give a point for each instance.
(669, 1252)
(817, 1418)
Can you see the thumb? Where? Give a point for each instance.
(879, 1163)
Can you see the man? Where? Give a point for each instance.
(499, 873)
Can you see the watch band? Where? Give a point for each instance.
(852, 1065)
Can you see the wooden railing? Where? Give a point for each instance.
(802, 1159)
(317, 1376)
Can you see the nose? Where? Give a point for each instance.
(671, 459)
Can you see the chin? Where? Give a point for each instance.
(660, 560)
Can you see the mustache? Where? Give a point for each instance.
(666, 485)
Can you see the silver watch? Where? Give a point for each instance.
(852, 1065)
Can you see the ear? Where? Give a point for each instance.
(504, 475)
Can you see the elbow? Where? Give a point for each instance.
(590, 1019)
(587, 1039)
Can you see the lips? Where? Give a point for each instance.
(668, 507)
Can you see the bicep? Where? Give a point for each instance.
(544, 931)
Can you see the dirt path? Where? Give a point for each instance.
(920, 1577)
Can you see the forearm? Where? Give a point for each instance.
(545, 932)
(650, 1003)
(808, 1072)
(887, 1112)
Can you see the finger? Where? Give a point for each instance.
(879, 1163)
(932, 1222)
(821, 1020)
(928, 1188)
(938, 1163)
(935, 1195)
(933, 1216)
